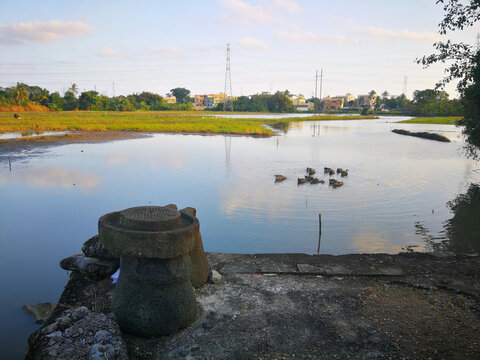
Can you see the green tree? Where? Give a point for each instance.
(280, 102)
(181, 94)
(429, 102)
(70, 101)
(89, 100)
(463, 64)
(55, 101)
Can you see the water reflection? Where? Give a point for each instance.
(118, 159)
(463, 229)
(228, 147)
(52, 177)
(461, 233)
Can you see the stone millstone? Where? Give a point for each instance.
(154, 294)
(122, 233)
(150, 218)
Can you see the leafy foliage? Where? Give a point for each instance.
(277, 103)
(182, 95)
(463, 64)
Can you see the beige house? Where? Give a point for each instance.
(367, 101)
(347, 98)
(170, 99)
(335, 103)
(300, 104)
(210, 101)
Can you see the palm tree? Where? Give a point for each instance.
(21, 92)
(74, 89)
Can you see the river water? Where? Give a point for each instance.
(400, 193)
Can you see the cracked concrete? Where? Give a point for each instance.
(286, 306)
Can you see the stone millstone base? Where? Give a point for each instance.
(142, 314)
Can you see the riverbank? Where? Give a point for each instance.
(148, 121)
(285, 306)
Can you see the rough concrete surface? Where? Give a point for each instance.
(288, 306)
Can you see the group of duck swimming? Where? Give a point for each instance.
(313, 180)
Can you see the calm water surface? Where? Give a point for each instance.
(401, 191)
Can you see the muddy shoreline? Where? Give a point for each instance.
(16, 145)
(286, 306)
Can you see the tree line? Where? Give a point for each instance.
(427, 102)
(23, 95)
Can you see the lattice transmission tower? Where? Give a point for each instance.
(228, 103)
(405, 80)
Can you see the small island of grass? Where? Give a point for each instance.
(149, 121)
(437, 120)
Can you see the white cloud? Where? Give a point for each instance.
(243, 13)
(305, 36)
(252, 44)
(382, 35)
(38, 31)
(168, 52)
(290, 6)
(112, 53)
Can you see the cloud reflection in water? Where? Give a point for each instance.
(53, 177)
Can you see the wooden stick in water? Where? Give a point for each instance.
(319, 232)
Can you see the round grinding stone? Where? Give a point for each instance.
(150, 218)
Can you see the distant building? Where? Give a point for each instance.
(170, 99)
(333, 103)
(210, 101)
(347, 98)
(300, 104)
(198, 100)
(366, 101)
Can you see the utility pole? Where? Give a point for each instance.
(405, 79)
(228, 103)
(316, 81)
(321, 84)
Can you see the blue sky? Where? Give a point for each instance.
(275, 45)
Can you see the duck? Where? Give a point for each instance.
(310, 171)
(280, 177)
(335, 183)
(328, 170)
(301, 181)
(344, 173)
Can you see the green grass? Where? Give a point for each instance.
(162, 121)
(448, 120)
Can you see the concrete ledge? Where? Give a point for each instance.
(286, 306)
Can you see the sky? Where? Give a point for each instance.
(121, 47)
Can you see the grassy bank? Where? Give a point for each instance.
(164, 121)
(448, 120)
